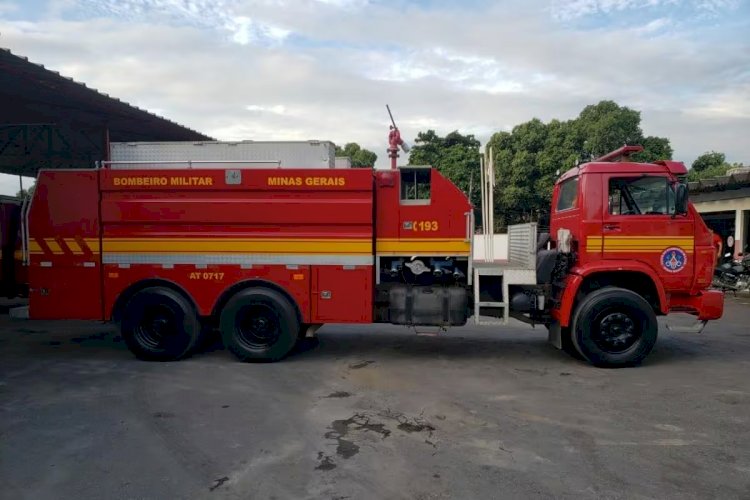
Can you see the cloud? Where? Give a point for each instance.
(286, 69)
(244, 31)
(8, 8)
(574, 9)
(218, 15)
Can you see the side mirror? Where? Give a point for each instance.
(681, 199)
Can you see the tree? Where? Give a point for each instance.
(456, 156)
(527, 159)
(654, 148)
(606, 126)
(360, 157)
(709, 164)
(709, 159)
(23, 193)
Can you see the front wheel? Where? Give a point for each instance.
(614, 327)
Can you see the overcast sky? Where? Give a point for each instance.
(285, 69)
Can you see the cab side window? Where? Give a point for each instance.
(415, 186)
(641, 196)
(568, 195)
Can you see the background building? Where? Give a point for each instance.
(50, 121)
(724, 203)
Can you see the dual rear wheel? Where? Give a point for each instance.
(256, 324)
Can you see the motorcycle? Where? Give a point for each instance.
(733, 275)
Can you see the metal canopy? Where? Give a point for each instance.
(51, 121)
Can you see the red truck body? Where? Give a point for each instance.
(268, 254)
(638, 246)
(304, 231)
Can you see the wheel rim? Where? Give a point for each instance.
(257, 326)
(157, 326)
(617, 332)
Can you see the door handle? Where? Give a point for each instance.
(612, 227)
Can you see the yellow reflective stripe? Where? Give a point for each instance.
(53, 245)
(638, 244)
(35, 247)
(92, 243)
(408, 246)
(640, 239)
(639, 250)
(423, 246)
(221, 238)
(238, 246)
(73, 245)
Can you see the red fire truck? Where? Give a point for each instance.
(268, 255)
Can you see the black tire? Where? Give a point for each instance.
(614, 327)
(259, 324)
(566, 342)
(566, 339)
(160, 324)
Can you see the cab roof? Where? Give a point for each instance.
(676, 168)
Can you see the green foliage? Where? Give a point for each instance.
(456, 156)
(527, 159)
(709, 164)
(606, 126)
(26, 192)
(360, 157)
(709, 172)
(709, 159)
(654, 148)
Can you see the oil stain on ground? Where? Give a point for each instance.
(325, 462)
(340, 429)
(361, 364)
(341, 432)
(339, 394)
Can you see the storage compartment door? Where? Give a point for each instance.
(342, 294)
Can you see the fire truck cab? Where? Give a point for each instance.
(268, 255)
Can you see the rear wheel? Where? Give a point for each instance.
(259, 324)
(614, 327)
(159, 324)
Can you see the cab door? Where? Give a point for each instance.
(640, 224)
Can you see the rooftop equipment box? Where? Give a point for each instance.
(216, 154)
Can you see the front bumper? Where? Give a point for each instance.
(707, 305)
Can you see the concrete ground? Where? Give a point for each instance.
(375, 412)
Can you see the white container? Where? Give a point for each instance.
(343, 162)
(218, 154)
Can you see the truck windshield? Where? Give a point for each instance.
(641, 196)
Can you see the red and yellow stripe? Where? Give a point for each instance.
(638, 244)
(197, 245)
(63, 246)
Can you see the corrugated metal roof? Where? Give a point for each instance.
(738, 179)
(34, 95)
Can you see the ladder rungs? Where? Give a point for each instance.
(491, 304)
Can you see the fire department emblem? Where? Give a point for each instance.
(673, 259)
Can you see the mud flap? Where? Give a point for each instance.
(555, 334)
